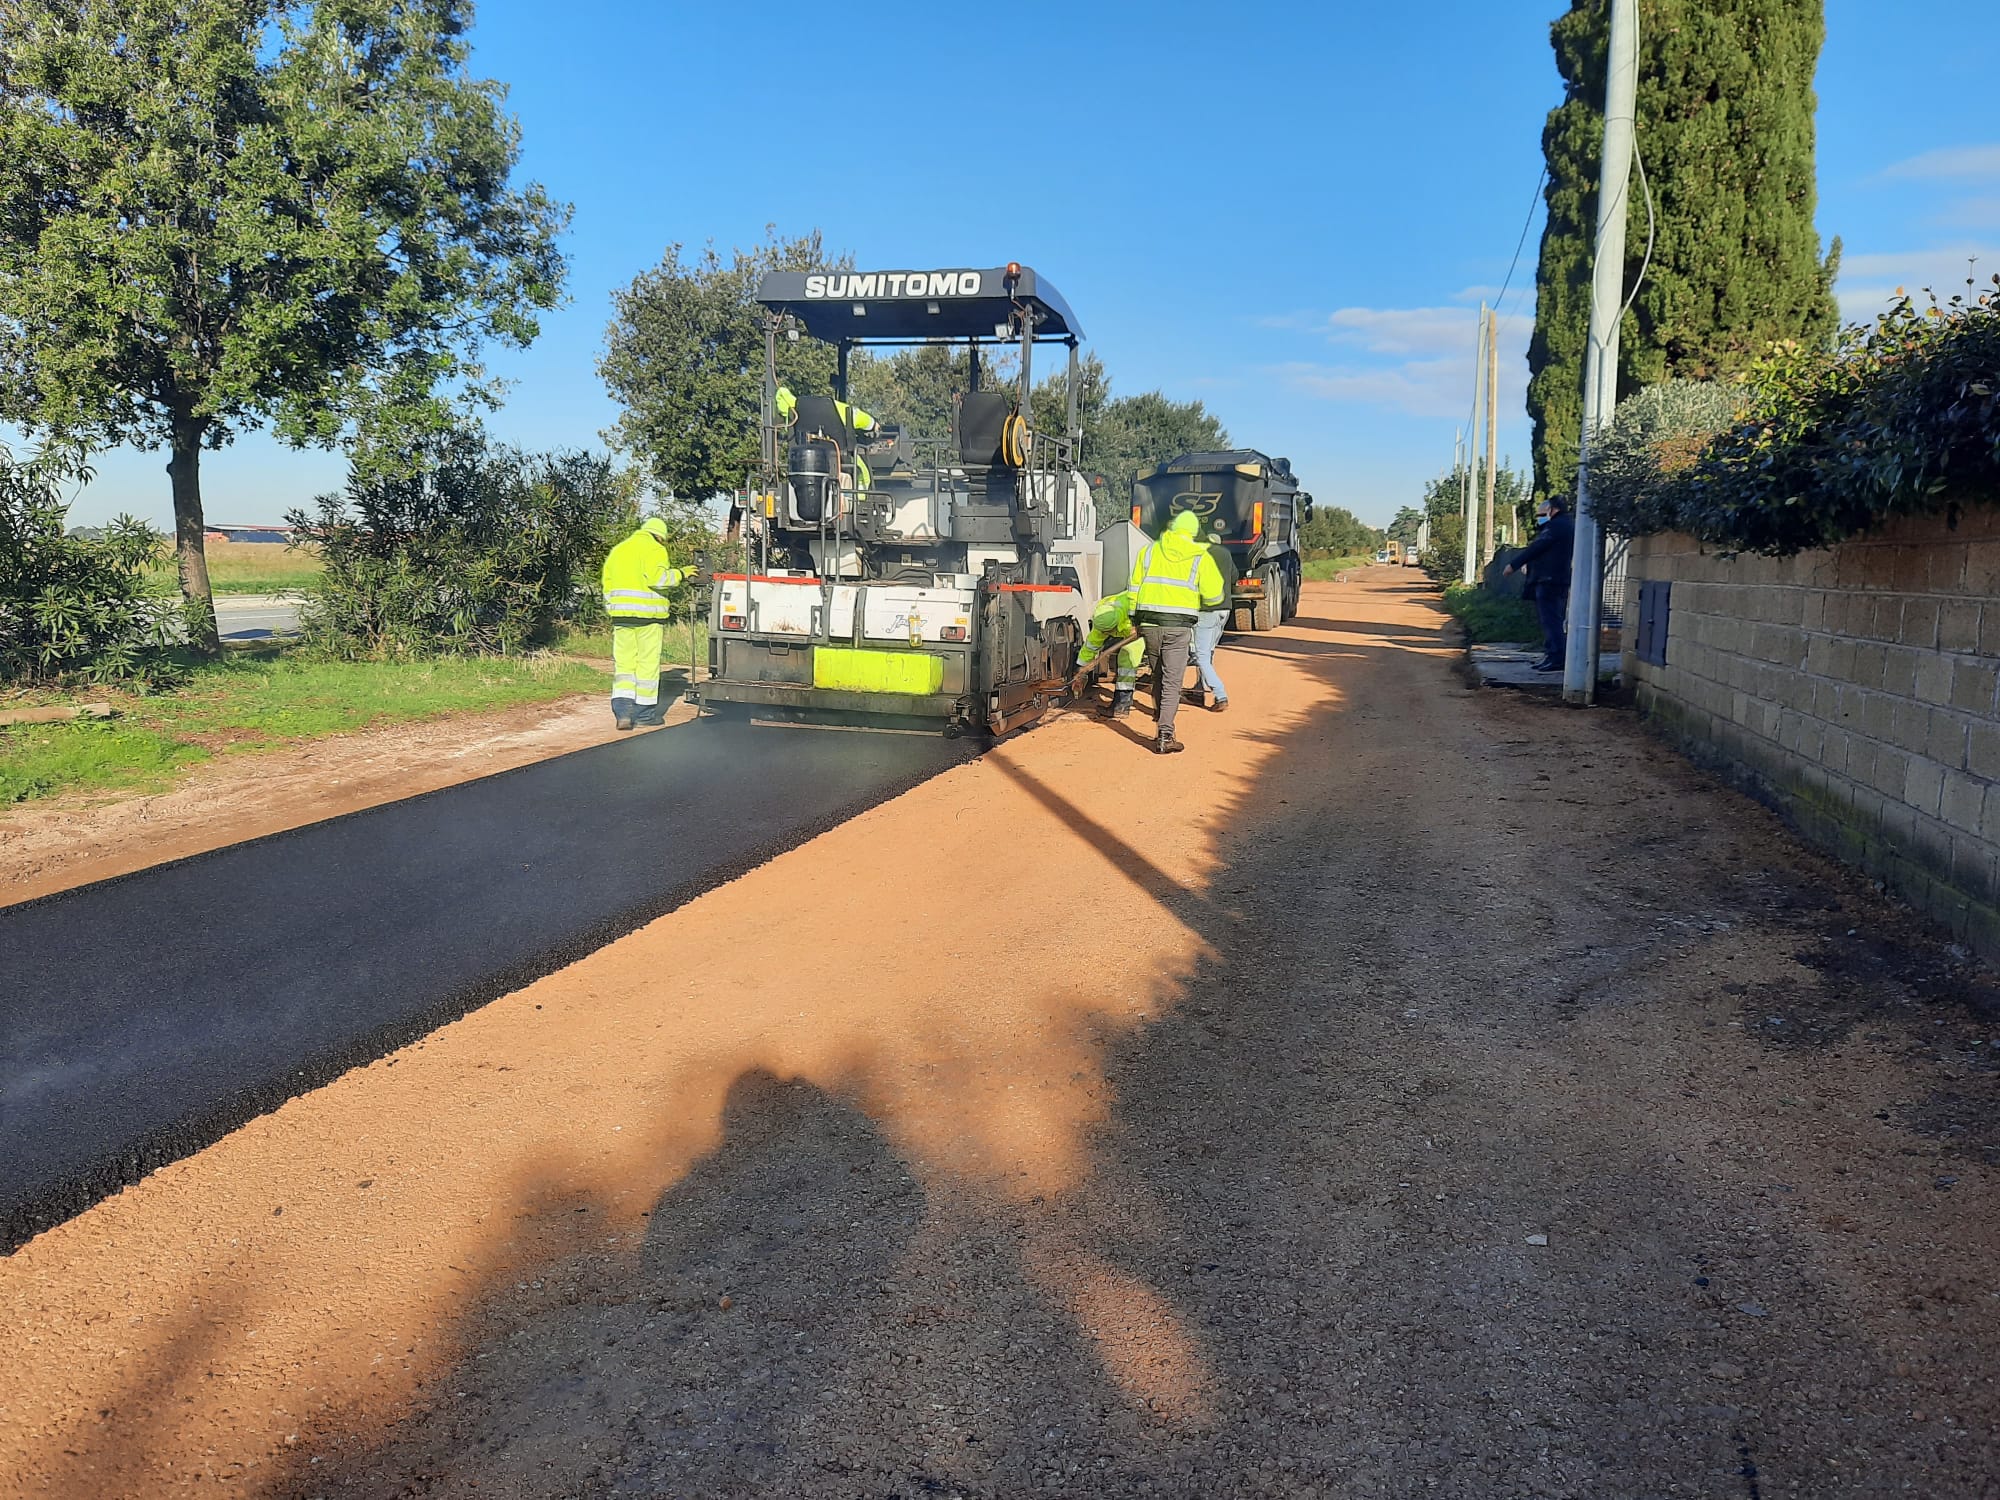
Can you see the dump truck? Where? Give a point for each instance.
(1254, 505)
(903, 582)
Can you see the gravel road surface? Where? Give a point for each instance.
(1407, 1091)
(147, 1015)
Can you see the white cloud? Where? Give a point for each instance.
(1868, 282)
(1417, 360)
(1419, 330)
(1949, 161)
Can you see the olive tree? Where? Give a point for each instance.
(218, 214)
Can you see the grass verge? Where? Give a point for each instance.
(258, 700)
(1491, 617)
(1323, 569)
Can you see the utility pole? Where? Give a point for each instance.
(1492, 421)
(1466, 506)
(1468, 482)
(1600, 378)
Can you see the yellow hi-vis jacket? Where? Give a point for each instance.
(853, 416)
(1175, 576)
(634, 573)
(1111, 619)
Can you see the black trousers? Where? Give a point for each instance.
(1553, 607)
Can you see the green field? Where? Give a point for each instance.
(256, 700)
(253, 567)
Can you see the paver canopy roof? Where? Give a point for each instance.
(910, 306)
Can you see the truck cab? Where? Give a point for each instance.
(1249, 502)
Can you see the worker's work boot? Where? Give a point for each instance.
(649, 716)
(1220, 705)
(1164, 743)
(1121, 705)
(621, 713)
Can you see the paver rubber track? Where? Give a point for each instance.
(146, 1016)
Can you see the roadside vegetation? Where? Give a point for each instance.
(1324, 569)
(76, 609)
(1816, 444)
(1488, 616)
(261, 700)
(469, 586)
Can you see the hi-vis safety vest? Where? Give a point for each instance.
(1111, 619)
(634, 573)
(1176, 576)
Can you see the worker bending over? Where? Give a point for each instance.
(1175, 580)
(1111, 625)
(637, 573)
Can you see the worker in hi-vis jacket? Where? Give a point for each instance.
(637, 574)
(1112, 622)
(1175, 580)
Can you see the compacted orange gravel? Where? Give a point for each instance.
(1408, 1090)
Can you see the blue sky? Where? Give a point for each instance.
(1289, 211)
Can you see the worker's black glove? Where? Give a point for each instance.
(692, 575)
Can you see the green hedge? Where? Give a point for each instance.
(1898, 418)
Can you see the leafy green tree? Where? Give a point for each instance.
(1725, 130)
(913, 387)
(684, 357)
(1123, 435)
(1444, 558)
(1335, 531)
(220, 213)
(74, 606)
(1653, 435)
(1404, 528)
(471, 548)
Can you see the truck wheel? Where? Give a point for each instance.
(1290, 579)
(1264, 613)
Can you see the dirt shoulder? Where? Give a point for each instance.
(68, 841)
(1407, 1090)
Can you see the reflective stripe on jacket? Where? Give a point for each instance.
(634, 573)
(1176, 576)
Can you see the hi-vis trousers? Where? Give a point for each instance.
(635, 663)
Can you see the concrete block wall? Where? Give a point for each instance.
(1856, 689)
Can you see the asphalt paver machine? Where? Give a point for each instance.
(895, 581)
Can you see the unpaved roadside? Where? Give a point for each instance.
(69, 841)
(1406, 1091)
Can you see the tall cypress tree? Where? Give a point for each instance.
(1725, 128)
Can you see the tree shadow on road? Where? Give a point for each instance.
(1291, 1254)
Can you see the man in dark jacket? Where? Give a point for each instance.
(1546, 562)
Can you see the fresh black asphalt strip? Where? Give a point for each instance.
(148, 1015)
